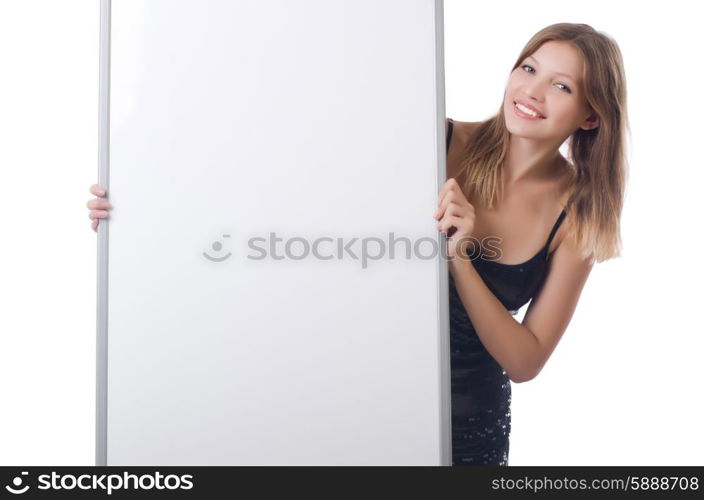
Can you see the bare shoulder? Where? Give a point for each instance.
(463, 130)
(461, 133)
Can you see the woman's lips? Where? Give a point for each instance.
(524, 115)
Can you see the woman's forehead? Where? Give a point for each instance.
(560, 58)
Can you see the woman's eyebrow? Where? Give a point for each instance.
(561, 74)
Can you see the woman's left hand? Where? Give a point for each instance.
(456, 217)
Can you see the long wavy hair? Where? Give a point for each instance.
(596, 158)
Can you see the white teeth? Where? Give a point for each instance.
(527, 111)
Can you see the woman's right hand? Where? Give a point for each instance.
(99, 207)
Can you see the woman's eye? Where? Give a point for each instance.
(564, 87)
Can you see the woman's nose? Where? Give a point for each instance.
(535, 89)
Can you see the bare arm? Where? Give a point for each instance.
(522, 349)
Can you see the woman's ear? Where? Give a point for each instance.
(590, 123)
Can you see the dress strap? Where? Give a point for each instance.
(449, 135)
(555, 227)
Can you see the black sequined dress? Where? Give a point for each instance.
(481, 390)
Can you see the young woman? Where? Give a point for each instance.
(535, 224)
(539, 220)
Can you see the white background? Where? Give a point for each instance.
(622, 387)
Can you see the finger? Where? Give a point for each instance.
(455, 194)
(450, 221)
(449, 183)
(94, 225)
(97, 214)
(447, 198)
(439, 213)
(442, 223)
(98, 203)
(451, 208)
(97, 190)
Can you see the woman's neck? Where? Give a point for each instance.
(528, 159)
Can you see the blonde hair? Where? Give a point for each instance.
(596, 157)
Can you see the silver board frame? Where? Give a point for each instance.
(102, 334)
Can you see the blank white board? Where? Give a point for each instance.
(254, 151)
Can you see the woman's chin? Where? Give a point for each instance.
(518, 129)
(523, 128)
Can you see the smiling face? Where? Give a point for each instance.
(549, 82)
